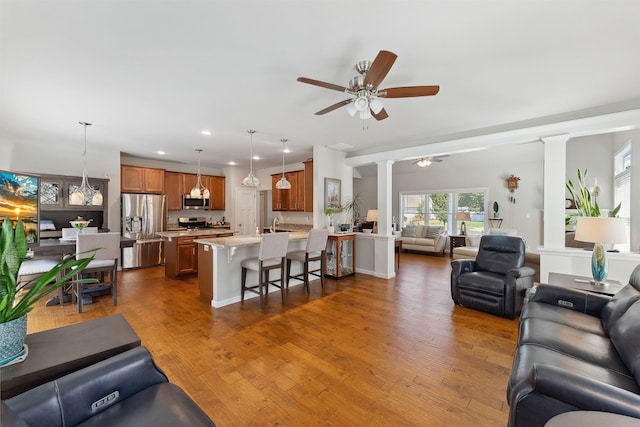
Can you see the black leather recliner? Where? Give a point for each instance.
(497, 280)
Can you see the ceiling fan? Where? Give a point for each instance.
(364, 88)
(426, 161)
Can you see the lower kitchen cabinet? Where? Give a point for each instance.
(340, 256)
(181, 257)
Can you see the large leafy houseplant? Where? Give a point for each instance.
(585, 200)
(17, 299)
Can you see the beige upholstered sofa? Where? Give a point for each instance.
(423, 238)
(470, 251)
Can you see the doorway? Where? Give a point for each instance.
(246, 211)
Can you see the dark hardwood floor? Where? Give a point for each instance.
(361, 352)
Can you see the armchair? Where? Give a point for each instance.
(496, 281)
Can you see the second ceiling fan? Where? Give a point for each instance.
(364, 88)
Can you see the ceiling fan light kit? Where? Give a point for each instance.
(423, 163)
(364, 88)
(426, 161)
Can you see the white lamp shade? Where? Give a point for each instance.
(366, 114)
(283, 184)
(97, 199)
(600, 230)
(77, 198)
(361, 104)
(351, 108)
(376, 105)
(206, 194)
(251, 181)
(195, 193)
(372, 215)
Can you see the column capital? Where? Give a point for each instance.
(555, 138)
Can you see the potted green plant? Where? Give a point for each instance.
(17, 299)
(353, 206)
(585, 198)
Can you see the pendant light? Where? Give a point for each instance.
(199, 191)
(85, 194)
(250, 180)
(283, 184)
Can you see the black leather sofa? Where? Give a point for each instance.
(576, 351)
(497, 280)
(124, 390)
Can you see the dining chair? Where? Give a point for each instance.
(271, 256)
(105, 247)
(30, 270)
(314, 252)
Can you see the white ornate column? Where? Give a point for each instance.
(384, 242)
(555, 176)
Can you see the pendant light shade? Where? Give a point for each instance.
(283, 184)
(250, 180)
(199, 191)
(85, 194)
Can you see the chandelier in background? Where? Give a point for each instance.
(85, 194)
(250, 180)
(282, 183)
(199, 191)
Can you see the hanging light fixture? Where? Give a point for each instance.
(199, 191)
(85, 194)
(283, 184)
(250, 180)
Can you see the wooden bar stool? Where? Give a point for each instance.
(316, 246)
(271, 256)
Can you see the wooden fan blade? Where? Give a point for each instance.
(381, 115)
(334, 106)
(379, 68)
(408, 91)
(322, 84)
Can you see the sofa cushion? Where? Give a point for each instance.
(473, 240)
(572, 341)
(424, 242)
(618, 305)
(484, 281)
(409, 232)
(625, 336)
(575, 319)
(433, 231)
(421, 231)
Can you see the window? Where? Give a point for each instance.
(622, 194)
(439, 208)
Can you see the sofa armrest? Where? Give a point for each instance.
(440, 242)
(572, 299)
(80, 395)
(582, 392)
(458, 267)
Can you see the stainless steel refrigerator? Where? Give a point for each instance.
(143, 216)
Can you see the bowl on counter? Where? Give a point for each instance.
(367, 230)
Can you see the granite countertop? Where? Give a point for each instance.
(236, 241)
(198, 232)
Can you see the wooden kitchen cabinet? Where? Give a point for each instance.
(279, 198)
(308, 185)
(177, 184)
(181, 257)
(136, 179)
(173, 190)
(216, 186)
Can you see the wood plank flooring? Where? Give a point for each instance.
(361, 352)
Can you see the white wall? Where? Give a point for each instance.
(486, 169)
(41, 157)
(620, 139)
(329, 163)
(595, 154)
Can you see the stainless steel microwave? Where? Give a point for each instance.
(192, 203)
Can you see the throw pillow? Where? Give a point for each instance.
(433, 231)
(409, 232)
(474, 241)
(421, 231)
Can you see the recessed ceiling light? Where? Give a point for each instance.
(162, 153)
(286, 150)
(232, 163)
(206, 132)
(256, 157)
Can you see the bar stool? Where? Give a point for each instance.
(316, 246)
(271, 256)
(32, 269)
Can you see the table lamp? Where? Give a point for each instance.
(600, 231)
(463, 216)
(372, 216)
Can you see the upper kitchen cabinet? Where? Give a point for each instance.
(173, 190)
(308, 185)
(136, 179)
(300, 197)
(279, 198)
(216, 186)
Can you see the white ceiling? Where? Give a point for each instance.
(150, 75)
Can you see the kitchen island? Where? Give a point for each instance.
(219, 259)
(181, 252)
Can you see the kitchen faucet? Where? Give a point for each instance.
(276, 223)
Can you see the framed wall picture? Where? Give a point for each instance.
(19, 199)
(332, 193)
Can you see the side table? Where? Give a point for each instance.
(456, 241)
(60, 351)
(583, 283)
